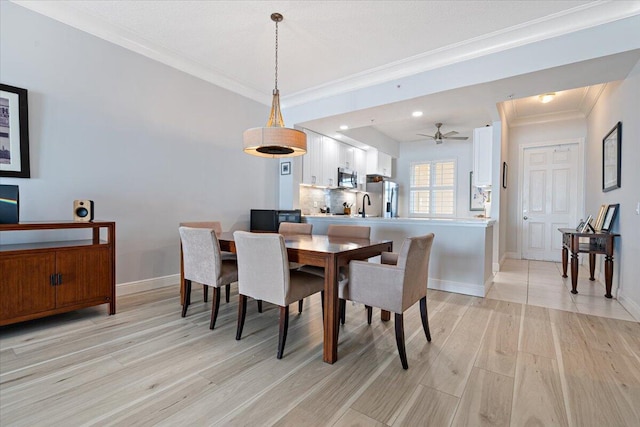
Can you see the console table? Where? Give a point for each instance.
(599, 243)
(48, 277)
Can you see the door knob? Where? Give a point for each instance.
(526, 218)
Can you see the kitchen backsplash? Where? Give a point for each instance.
(312, 199)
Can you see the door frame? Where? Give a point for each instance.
(580, 174)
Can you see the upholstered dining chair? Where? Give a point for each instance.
(203, 263)
(346, 231)
(394, 285)
(217, 227)
(264, 274)
(288, 228)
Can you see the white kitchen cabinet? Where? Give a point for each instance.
(378, 163)
(330, 149)
(312, 172)
(346, 156)
(482, 156)
(360, 166)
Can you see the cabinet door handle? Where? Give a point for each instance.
(59, 278)
(52, 279)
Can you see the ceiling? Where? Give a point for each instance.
(327, 48)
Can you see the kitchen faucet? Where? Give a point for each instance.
(369, 200)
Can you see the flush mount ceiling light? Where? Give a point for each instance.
(417, 114)
(275, 140)
(547, 97)
(344, 127)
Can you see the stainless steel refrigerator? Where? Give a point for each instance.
(384, 199)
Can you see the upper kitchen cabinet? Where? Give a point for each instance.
(378, 163)
(482, 155)
(360, 166)
(312, 173)
(330, 148)
(320, 164)
(346, 156)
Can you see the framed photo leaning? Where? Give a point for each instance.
(610, 216)
(14, 132)
(600, 218)
(611, 158)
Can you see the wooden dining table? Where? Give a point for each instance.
(331, 253)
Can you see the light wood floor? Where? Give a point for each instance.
(490, 363)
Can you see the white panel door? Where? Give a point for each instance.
(549, 199)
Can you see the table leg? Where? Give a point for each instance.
(592, 266)
(385, 315)
(331, 317)
(608, 274)
(565, 256)
(182, 296)
(574, 273)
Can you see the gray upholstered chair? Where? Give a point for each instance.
(217, 227)
(394, 285)
(264, 274)
(288, 228)
(345, 231)
(295, 228)
(203, 263)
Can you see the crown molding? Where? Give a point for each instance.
(568, 21)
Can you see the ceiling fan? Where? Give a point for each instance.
(439, 136)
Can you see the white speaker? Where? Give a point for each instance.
(83, 210)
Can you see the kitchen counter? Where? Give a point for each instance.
(477, 222)
(461, 256)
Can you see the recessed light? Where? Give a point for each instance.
(417, 114)
(547, 97)
(344, 127)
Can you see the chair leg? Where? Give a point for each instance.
(187, 297)
(369, 313)
(215, 306)
(259, 305)
(300, 304)
(400, 340)
(227, 292)
(242, 311)
(205, 293)
(322, 304)
(425, 318)
(284, 326)
(342, 306)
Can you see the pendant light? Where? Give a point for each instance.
(275, 140)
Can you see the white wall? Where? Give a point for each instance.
(620, 101)
(151, 146)
(534, 133)
(460, 151)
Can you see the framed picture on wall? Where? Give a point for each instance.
(505, 169)
(477, 196)
(285, 168)
(14, 132)
(611, 158)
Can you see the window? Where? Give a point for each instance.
(433, 188)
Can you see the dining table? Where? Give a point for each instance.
(327, 252)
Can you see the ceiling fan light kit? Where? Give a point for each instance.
(275, 140)
(439, 136)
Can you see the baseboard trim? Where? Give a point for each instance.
(146, 285)
(459, 288)
(629, 305)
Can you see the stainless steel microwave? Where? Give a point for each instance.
(347, 178)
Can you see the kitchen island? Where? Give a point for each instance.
(461, 256)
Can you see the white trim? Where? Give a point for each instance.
(146, 284)
(580, 174)
(460, 288)
(629, 305)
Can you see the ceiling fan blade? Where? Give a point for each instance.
(428, 136)
(460, 138)
(448, 134)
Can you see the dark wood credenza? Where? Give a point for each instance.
(42, 278)
(598, 243)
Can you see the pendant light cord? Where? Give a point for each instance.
(276, 89)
